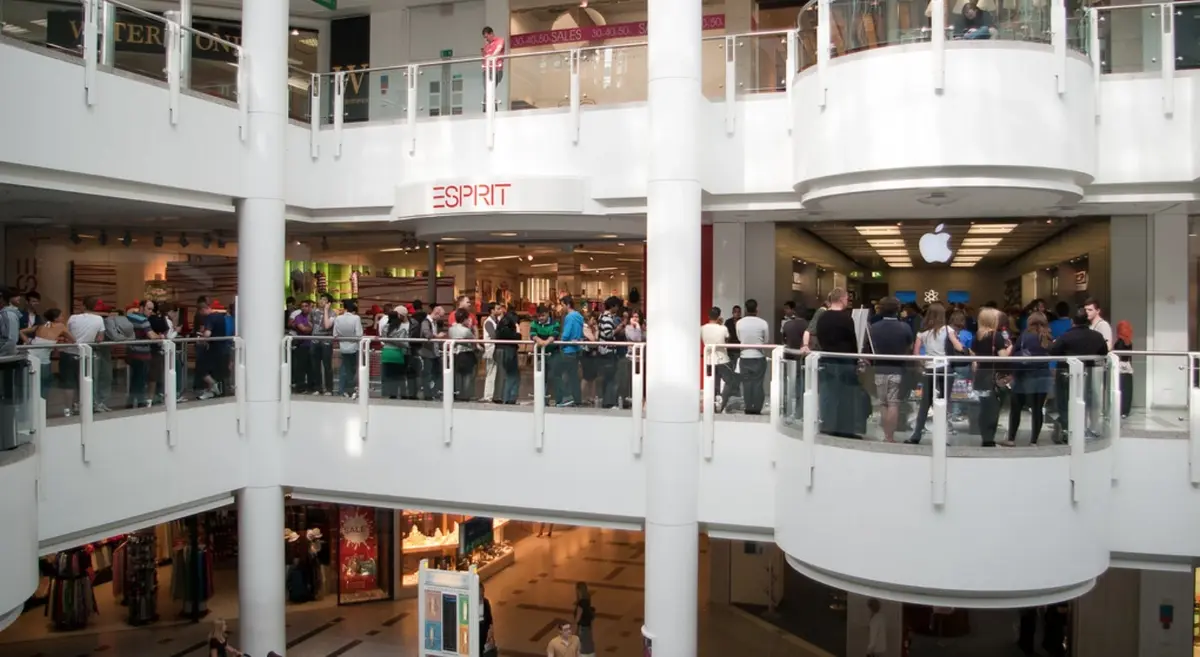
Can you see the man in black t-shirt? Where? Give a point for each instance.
(838, 388)
(733, 388)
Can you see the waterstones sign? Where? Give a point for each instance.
(133, 33)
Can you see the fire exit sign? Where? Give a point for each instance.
(331, 5)
(447, 53)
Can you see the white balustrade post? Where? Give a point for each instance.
(937, 41)
(793, 49)
(243, 92)
(1114, 411)
(709, 400)
(812, 412)
(239, 383)
(776, 392)
(1076, 420)
(285, 384)
(539, 396)
(637, 354)
(170, 392)
(174, 65)
(91, 9)
(1058, 41)
(1193, 373)
(364, 385)
(108, 33)
(447, 391)
(730, 83)
(86, 403)
(314, 115)
(574, 60)
(1167, 42)
(414, 73)
(941, 368)
(489, 100)
(339, 110)
(824, 50)
(1093, 18)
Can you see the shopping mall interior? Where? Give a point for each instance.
(351, 569)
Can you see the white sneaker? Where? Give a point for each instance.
(718, 403)
(206, 395)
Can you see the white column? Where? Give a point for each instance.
(1167, 241)
(673, 279)
(729, 266)
(261, 235)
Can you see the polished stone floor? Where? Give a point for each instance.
(528, 600)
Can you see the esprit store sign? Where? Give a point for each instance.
(592, 33)
(508, 195)
(470, 197)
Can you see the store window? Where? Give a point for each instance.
(451, 541)
(365, 554)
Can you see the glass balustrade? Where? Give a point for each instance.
(1130, 39)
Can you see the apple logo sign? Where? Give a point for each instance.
(935, 246)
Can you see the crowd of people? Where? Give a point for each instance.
(1005, 359)
(582, 366)
(118, 340)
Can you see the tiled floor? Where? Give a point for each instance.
(528, 599)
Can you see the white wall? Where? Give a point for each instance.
(1132, 156)
(1152, 501)
(132, 472)
(122, 146)
(18, 540)
(979, 119)
(869, 517)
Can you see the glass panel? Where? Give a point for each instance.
(613, 75)
(215, 77)
(806, 22)
(54, 25)
(712, 67)
(387, 98)
(326, 99)
(1131, 39)
(864, 25)
(1079, 32)
(1187, 37)
(761, 63)
(539, 81)
(299, 102)
(1026, 20)
(745, 385)
(435, 537)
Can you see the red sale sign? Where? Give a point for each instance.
(598, 33)
(470, 197)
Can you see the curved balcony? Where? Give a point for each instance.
(948, 521)
(915, 116)
(20, 413)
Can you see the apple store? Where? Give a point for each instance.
(1008, 262)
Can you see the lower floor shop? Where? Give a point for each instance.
(530, 596)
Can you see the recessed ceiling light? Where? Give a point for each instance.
(981, 241)
(392, 250)
(974, 252)
(877, 230)
(899, 265)
(969, 259)
(962, 264)
(889, 253)
(991, 229)
(608, 236)
(504, 234)
(452, 239)
(886, 244)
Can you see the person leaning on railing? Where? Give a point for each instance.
(1081, 340)
(509, 328)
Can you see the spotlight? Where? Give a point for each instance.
(206, 240)
(183, 240)
(158, 240)
(529, 258)
(103, 238)
(127, 239)
(220, 241)
(75, 238)
(324, 243)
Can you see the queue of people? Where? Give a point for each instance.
(583, 367)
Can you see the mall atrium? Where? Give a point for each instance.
(690, 327)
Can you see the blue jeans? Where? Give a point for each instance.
(506, 358)
(348, 374)
(568, 377)
(139, 376)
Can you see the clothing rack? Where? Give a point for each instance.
(135, 577)
(192, 578)
(71, 601)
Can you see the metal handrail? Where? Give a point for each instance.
(166, 21)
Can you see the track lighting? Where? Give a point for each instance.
(127, 239)
(183, 240)
(158, 240)
(75, 238)
(206, 240)
(103, 239)
(324, 243)
(220, 241)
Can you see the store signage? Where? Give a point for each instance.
(449, 612)
(134, 33)
(470, 197)
(502, 196)
(601, 33)
(350, 51)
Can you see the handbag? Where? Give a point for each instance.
(1002, 379)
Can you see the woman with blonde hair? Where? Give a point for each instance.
(1032, 382)
(989, 341)
(218, 641)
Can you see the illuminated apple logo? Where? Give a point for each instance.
(935, 246)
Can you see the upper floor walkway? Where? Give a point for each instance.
(789, 450)
(856, 113)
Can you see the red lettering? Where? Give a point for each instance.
(470, 197)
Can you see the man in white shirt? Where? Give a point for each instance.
(88, 328)
(752, 330)
(715, 333)
(876, 631)
(348, 330)
(1096, 377)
